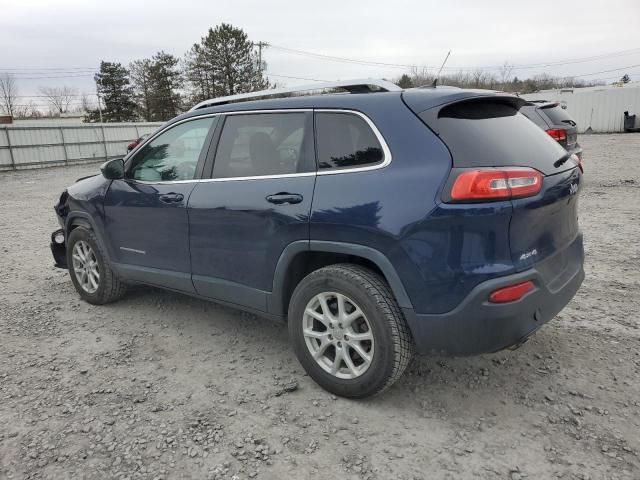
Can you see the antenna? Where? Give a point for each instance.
(435, 80)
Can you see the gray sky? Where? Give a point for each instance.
(37, 36)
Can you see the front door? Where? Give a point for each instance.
(145, 213)
(256, 203)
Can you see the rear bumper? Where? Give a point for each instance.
(477, 326)
(576, 150)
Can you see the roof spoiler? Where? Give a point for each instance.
(431, 115)
(542, 103)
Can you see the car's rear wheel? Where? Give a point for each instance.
(90, 272)
(348, 331)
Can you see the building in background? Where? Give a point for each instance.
(596, 109)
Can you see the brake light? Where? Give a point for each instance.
(511, 293)
(558, 134)
(491, 184)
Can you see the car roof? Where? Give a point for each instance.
(418, 99)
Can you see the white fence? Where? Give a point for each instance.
(596, 109)
(52, 145)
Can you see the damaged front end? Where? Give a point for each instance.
(58, 238)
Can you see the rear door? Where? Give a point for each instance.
(145, 213)
(491, 132)
(256, 202)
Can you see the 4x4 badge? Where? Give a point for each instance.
(573, 189)
(529, 254)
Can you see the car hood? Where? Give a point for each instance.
(88, 187)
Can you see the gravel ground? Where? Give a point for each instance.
(165, 386)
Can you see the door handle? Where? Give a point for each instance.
(171, 197)
(283, 198)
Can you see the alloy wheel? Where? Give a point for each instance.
(85, 266)
(338, 335)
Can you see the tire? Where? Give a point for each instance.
(109, 287)
(390, 350)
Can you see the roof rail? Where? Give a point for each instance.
(351, 86)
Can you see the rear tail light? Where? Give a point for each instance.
(511, 293)
(491, 184)
(558, 134)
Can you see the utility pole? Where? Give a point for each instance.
(104, 137)
(260, 45)
(99, 107)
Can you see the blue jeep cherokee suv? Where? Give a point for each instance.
(377, 222)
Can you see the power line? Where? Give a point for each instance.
(296, 78)
(340, 59)
(603, 56)
(15, 72)
(617, 77)
(606, 71)
(37, 73)
(84, 95)
(18, 77)
(47, 68)
(486, 67)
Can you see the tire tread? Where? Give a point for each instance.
(114, 288)
(379, 291)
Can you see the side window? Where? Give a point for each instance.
(172, 155)
(264, 144)
(345, 140)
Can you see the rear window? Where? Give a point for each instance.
(345, 140)
(557, 115)
(492, 134)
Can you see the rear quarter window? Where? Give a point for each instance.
(345, 140)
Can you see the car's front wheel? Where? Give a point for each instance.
(89, 269)
(348, 331)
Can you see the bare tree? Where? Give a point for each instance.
(30, 110)
(505, 73)
(8, 94)
(478, 78)
(86, 104)
(59, 97)
(421, 77)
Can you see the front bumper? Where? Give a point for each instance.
(477, 326)
(59, 248)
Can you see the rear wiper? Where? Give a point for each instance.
(562, 160)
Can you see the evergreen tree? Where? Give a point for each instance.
(156, 82)
(405, 81)
(116, 92)
(223, 63)
(140, 74)
(166, 79)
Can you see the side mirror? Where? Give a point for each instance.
(113, 169)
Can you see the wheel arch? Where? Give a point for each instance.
(82, 219)
(303, 257)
